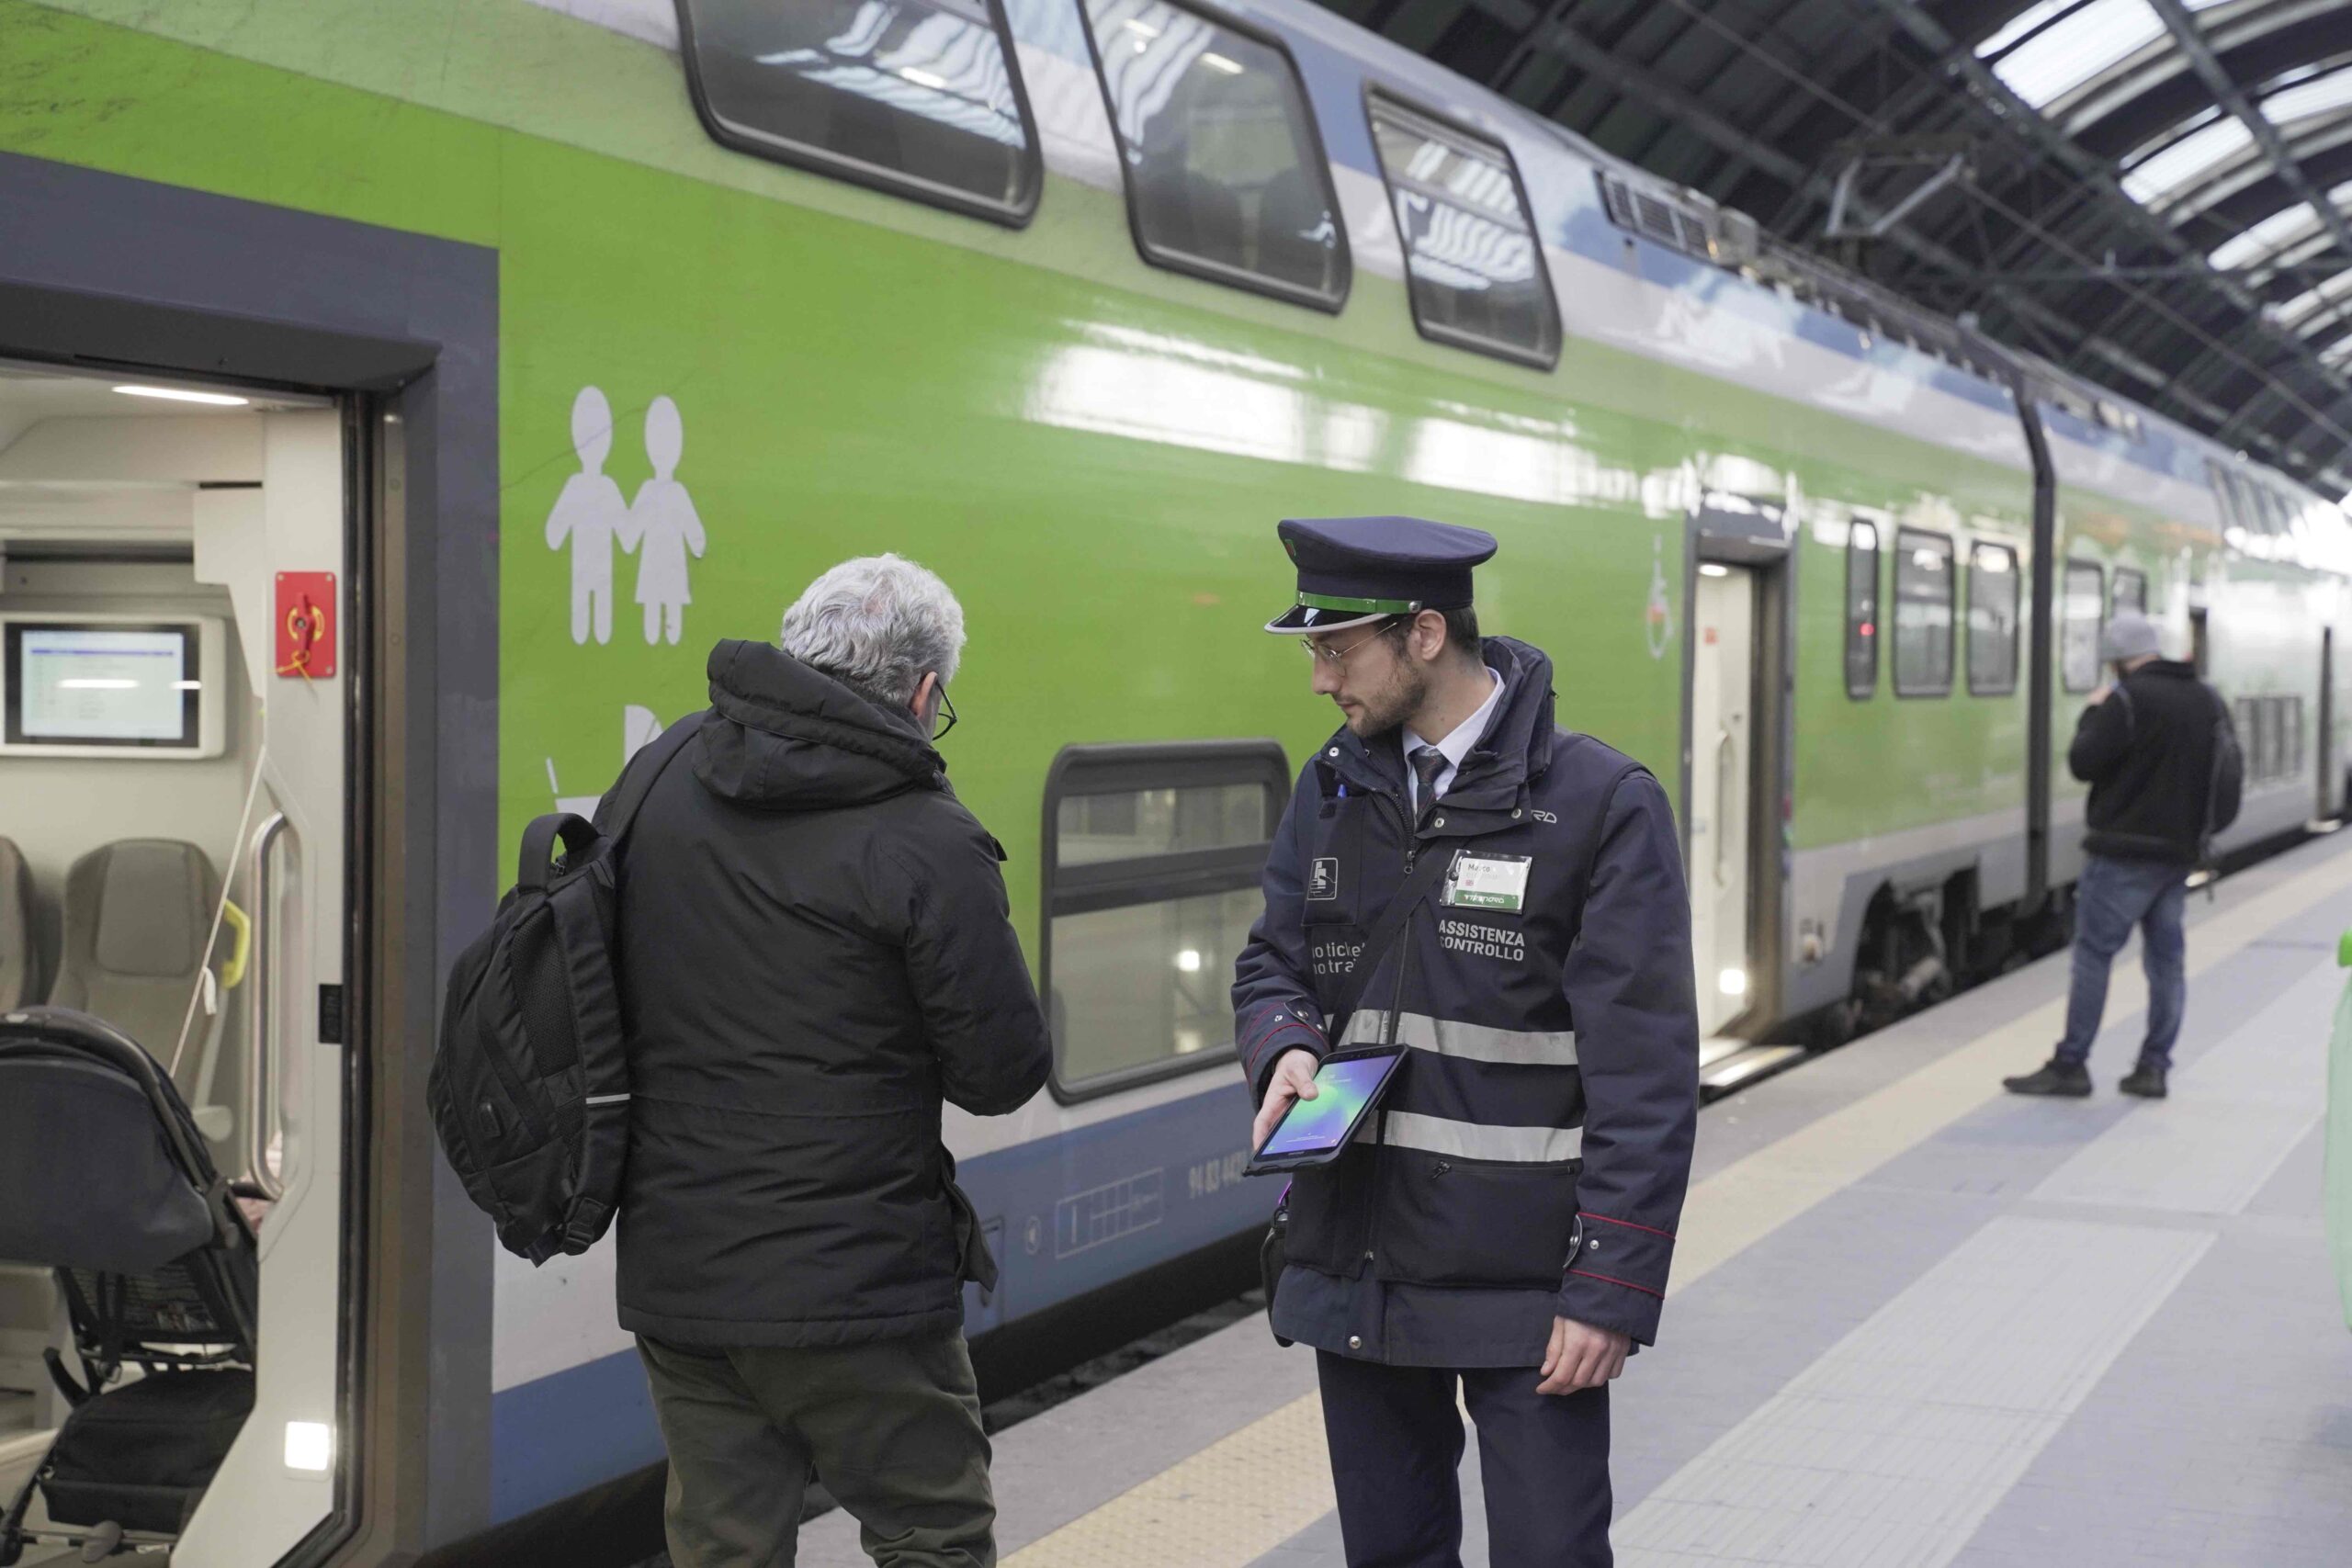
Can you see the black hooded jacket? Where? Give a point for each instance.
(816, 951)
(2147, 753)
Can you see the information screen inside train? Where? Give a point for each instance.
(93, 683)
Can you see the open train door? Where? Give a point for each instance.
(177, 709)
(1736, 770)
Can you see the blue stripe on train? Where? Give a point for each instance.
(1066, 1215)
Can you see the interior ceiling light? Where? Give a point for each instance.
(178, 395)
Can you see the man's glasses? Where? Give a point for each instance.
(947, 710)
(1319, 649)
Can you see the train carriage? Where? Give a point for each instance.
(395, 404)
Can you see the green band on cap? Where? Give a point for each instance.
(1362, 606)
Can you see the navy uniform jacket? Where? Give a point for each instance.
(1532, 1154)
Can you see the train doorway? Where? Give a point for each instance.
(1723, 790)
(2329, 804)
(174, 570)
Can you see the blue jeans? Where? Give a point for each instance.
(2112, 896)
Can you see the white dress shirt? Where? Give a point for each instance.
(1456, 746)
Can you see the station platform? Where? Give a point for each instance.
(1915, 1321)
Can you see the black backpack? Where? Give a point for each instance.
(529, 1088)
(2225, 791)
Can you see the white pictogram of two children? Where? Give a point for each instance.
(659, 528)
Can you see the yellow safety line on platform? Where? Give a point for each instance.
(1247, 1493)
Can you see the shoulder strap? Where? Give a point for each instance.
(637, 780)
(1383, 935)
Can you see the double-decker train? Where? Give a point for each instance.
(422, 390)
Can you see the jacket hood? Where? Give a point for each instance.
(785, 736)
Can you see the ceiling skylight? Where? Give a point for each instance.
(2070, 51)
(2321, 94)
(2187, 161)
(2308, 303)
(2278, 230)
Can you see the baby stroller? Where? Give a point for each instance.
(107, 1181)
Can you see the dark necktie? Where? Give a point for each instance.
(1428, 762)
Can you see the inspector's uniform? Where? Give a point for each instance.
(1530, 1158)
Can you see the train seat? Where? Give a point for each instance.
(20, 955)
(138, 913)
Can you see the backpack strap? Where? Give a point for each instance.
(604, 1145)
(619, 812)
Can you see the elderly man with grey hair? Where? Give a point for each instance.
(2156, 748)
(816, 952)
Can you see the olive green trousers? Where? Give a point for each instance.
(893, 1428)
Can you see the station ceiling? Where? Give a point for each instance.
(2154, 194)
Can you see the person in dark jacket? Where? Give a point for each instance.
(2145, 745)
(816, 952)
(1507, 1228)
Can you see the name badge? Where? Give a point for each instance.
(1487, 882)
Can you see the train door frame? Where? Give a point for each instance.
(1756, 535)
(402, 329)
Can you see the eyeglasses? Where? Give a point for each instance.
(947, 708)
(1329, 654)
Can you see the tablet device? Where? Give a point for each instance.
(1314, 1132)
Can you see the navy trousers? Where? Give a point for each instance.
(1395, 1436)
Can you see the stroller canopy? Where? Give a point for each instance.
(103, 1166)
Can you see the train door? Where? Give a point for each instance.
(1723, 789)
(173, 807)
(2327, 781)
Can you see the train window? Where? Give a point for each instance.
(2223, 501)
(2294, 735)
(1474, 270)
(1992, 621)
(2080, 616)
(1923, 613)
(2275, 742)
(1152, 855)
(2130, 591)
(1225, 176)
(2250, 736)
(919, 97)
(1862, 610)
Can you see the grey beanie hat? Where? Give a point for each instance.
(2128, 636)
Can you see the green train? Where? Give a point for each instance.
(421, 390)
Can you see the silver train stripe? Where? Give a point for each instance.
(1470, 1042)
(1471, 1140)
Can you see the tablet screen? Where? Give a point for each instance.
(1347, 1086)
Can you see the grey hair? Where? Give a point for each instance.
(877, 625)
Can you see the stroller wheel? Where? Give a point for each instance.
(104, 1542)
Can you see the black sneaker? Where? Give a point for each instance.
(2146, 1082)
(2069, 1080)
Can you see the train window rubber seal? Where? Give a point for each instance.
(1951, 605)
(1319, 164)
(1542, 355)
(796, 153)
(1122, 768)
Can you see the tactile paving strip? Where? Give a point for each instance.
(1891, 1449)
